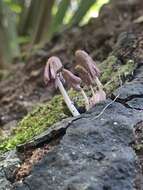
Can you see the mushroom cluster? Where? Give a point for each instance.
(88, 74)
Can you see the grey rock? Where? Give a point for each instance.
(130, 89)
(139, 74)
(8, 163)
(136, 103)
(94, 154)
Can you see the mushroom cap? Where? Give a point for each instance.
(100, 96)
(87, 62)
(84, 75)
(72, 80)
(52, 68)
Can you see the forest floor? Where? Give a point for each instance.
(114, 40)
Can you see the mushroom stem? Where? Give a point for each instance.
(92, 90)
(66, 97)
(86, 99)
(100, 86)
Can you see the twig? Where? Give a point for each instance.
(107, 106)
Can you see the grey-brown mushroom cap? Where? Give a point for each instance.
(52, 68)
(84, 59)
(84, 75)
(72, 80)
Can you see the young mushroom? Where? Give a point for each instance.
(74, 82)
(52, 74)
(89, 73)
(85, 76)
(99, 96)
(83, 59)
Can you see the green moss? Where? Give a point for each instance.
(115, 73)
(138, 147)
(39, 120)
(35, 122)
(55, 110)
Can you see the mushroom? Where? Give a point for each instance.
(99, 97)
(74, 82)
(89, 73)
(85, 76)
(52, 74)
(52, 68)
(83, 59)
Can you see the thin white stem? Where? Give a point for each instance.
(100, 86)
(92, 91)
(86, 99)
(67, 100)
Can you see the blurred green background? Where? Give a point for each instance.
(29, 23)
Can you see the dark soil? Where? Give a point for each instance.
(29, 158)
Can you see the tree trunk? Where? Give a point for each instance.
(29, 17)
(57, 21)
(43, 23)
(8, 34)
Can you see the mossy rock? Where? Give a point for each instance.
(115, 73)
(44, 116)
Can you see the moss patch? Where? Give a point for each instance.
(55, 110)
(42, 117)
(115, 73)
(35, 122)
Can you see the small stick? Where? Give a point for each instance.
(107, 106)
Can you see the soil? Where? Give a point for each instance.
(24, 87)
(29, 158)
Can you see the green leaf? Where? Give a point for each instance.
(59, 16)
(7, 1)
(93, 11)
(81, 11)
(16, 8)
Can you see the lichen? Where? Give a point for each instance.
(45, 115)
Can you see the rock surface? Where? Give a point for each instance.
(95, 152)
(8, 163)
